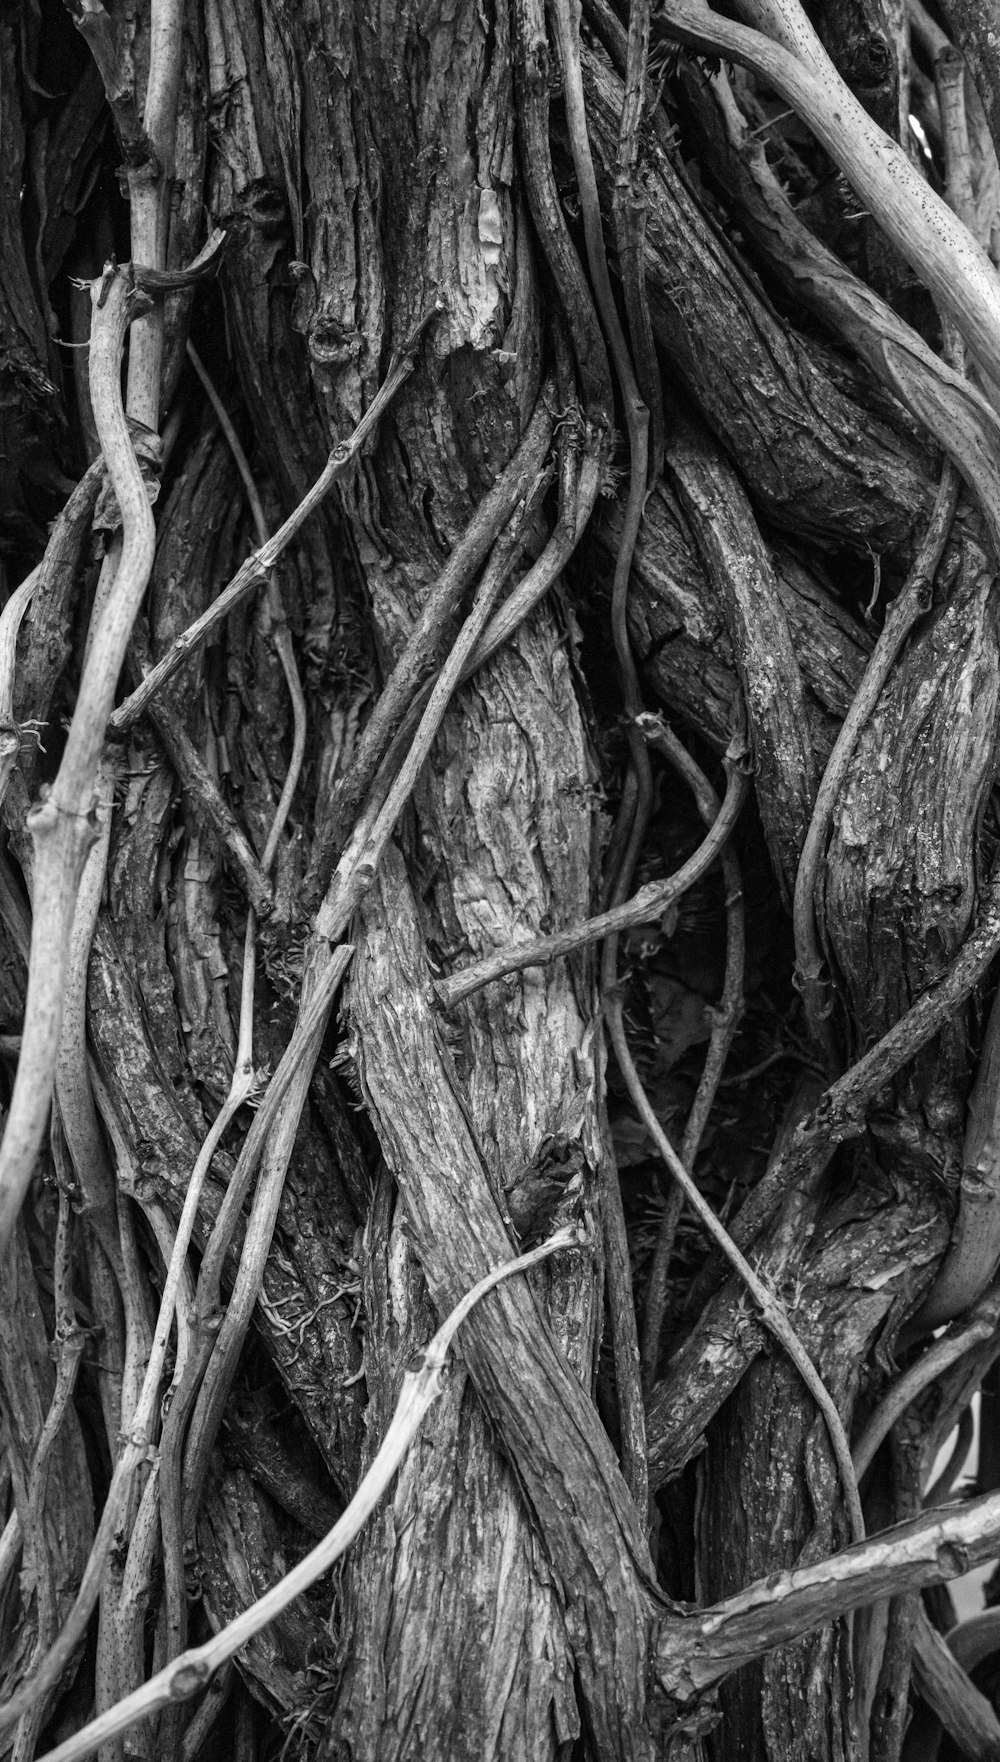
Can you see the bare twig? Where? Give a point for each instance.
(644, 907)
(68, 1345)
(772, 1312)
(842, 1109)
(60, 826)
(10, 624)
(197, 781)
(257, 566)
(910, 605)
(629, 217)
(981, 1326)
(150, 186)
(422, 647)
(532, 69)
(637, 797)
(355, 874)
(920, 224)
(974, 1249)
(98, 30)
(186, 1675)
(725, 1021)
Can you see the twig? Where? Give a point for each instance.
(197, 782)
(772, 1312)
(60, 826)
(282, 634)
(637, 797)
(243, 1079)
(68, 1343)
(644, 907)
(629, 217)
(137, 1441)
(356, 872)
(150, 187)
(47, 642)
(422, 647)
(841, 1111)
(532, 73)
(920, 224)
(725, 1021)
(981, 1326)
(949, 77)
(186, 1675)
(257, 566)
(98, 31)
(974, 1248)
(911, 604)
(10, 624)
(941, 1486)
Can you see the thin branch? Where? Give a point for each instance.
(841, 1111)
(198, 783)
(422, 648)
(532, 75)
(645, 907)
(60, 826)
(638, 795)
(190, 1673)
(282, 634)
(694, 1653)
(257, 567)
(98, 31)
(629, 218)
(911, 604)
(357, 871)
(10, 624)
(981, 1326)
(772, 1312)
(725, 1021)
(920, 224)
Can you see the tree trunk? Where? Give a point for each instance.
(370, 249)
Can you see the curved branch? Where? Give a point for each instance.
(644, 907)
(61, 826)
(920, 224)
(693, 1654)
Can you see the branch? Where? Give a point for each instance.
(981, 1326)
(920, 224)
(637, 797)
(60, 826)
(725, 1021)
(773, 1313)
(841, 1110)
(693, 1654)
(910, 604)
(98, 31)
(186, 1675)
(423, 644)
(257, 566)
(645, 907)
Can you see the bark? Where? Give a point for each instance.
(412, 308)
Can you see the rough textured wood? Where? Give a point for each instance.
(563, 1462)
